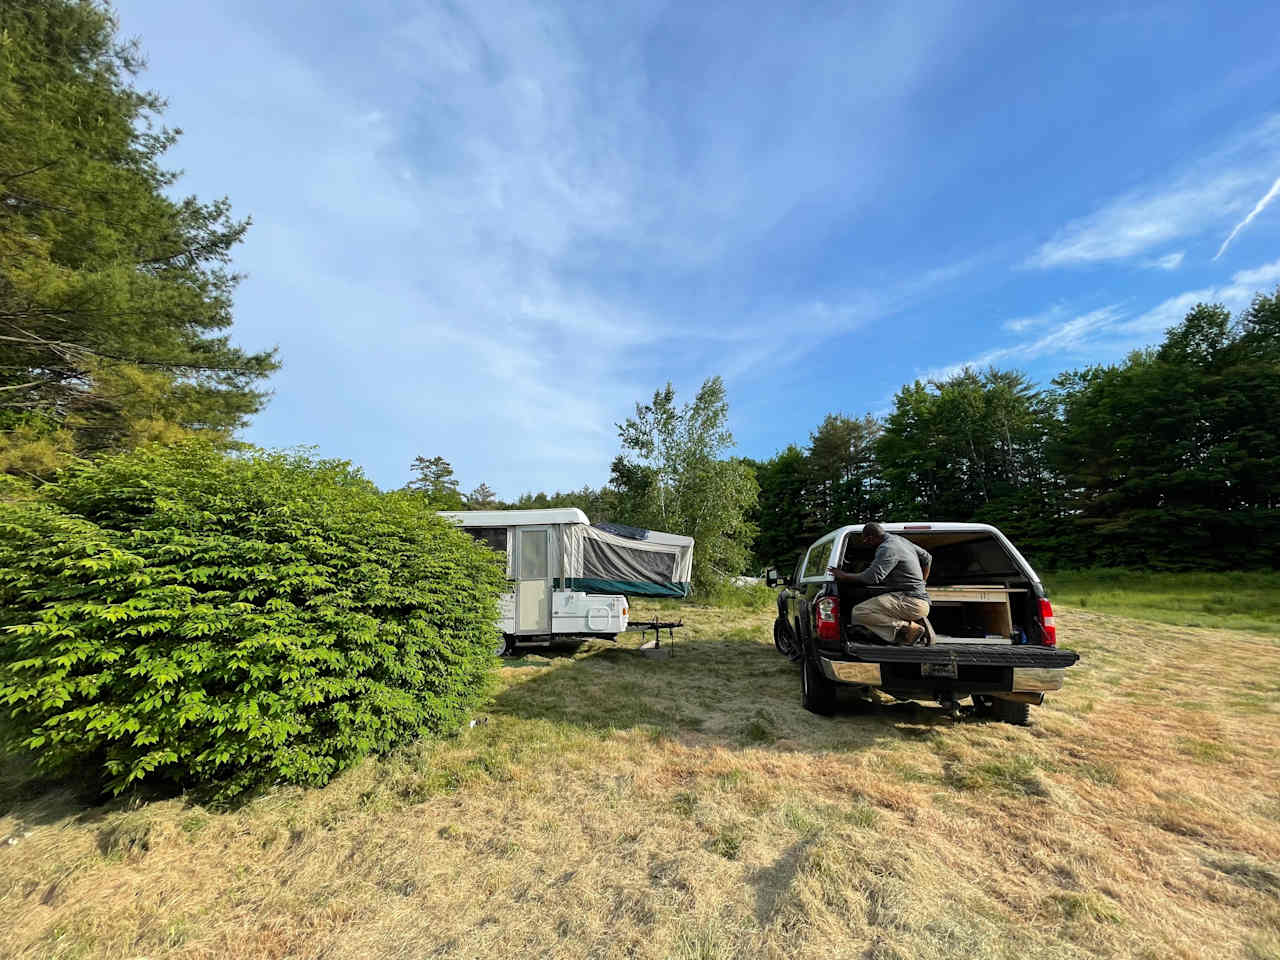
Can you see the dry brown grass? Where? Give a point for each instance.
(618, 806)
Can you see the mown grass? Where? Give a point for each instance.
(615, 805)
(1248, 600)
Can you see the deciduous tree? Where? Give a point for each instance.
(674, 475)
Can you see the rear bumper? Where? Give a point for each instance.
(973, 668)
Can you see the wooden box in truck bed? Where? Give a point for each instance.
(985, 604)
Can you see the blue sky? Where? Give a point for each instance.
(485, 230)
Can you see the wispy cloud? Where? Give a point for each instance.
(1235, 295)
(1111, 329)
(1170, 261)
(1258, 208)
(1066, 337)
(1184, 205)
(497, 243)
(1034, 321)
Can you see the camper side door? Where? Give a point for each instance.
(533, 557)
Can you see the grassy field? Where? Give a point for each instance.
(613, 805)
(1240, 601)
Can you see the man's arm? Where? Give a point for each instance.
(926, 561)
(878, 569)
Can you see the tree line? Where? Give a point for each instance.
(1168, 459)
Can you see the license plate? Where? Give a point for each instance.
(938, 670)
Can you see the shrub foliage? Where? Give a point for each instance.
(175, 613)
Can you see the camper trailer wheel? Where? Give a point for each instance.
(503, 647)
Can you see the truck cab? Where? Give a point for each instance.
(993, 637)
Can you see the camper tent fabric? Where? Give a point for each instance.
(650, 565)
(608, 558)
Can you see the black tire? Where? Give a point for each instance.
(504, 647)
(817, 692)
(784, 642)
(1012, 711)
(983, 705)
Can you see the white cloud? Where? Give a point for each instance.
(1235, 295)
(1258, 208)
(1135, 223)
(442, 237)
(1170, 261)
(1111, 329)
(1035, 320)
(1067, 337)
(1185, 205)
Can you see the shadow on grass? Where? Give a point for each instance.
(773, 883)
(729, 692)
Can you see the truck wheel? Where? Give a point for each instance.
(783, 641)
(1012, 711)
(503, 647)
(817, 693)
(983, 705)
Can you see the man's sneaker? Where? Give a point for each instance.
(912, 635)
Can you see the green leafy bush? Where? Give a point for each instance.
(176, 613)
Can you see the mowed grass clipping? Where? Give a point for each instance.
(1248, 600)
(613, 805)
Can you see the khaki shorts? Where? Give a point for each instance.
(888, 613)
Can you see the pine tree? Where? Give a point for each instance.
(114, 298)
(435, 481)
(482, 498)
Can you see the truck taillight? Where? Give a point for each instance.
(828, 609)
(1047, 621)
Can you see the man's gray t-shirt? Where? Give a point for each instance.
(898, 566)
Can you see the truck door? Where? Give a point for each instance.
(533, 580)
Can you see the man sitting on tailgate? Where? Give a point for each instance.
(900, 568)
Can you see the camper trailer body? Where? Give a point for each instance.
(569, 579)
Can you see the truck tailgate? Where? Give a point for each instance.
(969, 654)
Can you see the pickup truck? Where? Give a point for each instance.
(991, 630)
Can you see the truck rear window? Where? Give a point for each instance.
(956, 556)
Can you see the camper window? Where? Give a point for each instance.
(612, 561)
(495, 538)
(533, 554)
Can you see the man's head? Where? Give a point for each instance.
(872, 533)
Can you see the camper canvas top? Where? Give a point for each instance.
(606, 558)
(515, 518)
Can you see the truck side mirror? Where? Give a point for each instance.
(771, 577)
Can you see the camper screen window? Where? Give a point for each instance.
(495, 538)
(609, 561)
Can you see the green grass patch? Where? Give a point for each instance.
(727, 842)
(862, 815)
(1263, 947)
(1100, 773)
(1085, 907)
(1246, 600)
(910, 773)
(1206, 751)
(684, 803)
(1018, 775)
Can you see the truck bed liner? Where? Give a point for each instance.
(1022, 655)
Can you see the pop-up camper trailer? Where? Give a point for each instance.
(570, 579)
